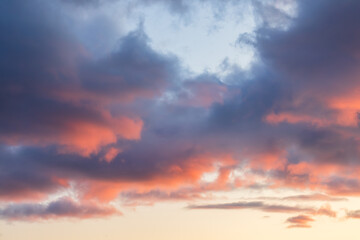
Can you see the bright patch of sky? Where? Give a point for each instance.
(203, 40)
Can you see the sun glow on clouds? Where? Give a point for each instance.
(214, 111)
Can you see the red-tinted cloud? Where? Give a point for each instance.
(132, 124)
(300, 221)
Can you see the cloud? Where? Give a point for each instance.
(314, 197)
(353, 214)
(275, 208)
(300, 221)
(306, 197)
(61, 208)
(133, 124)
(131, 71)
(55, 93)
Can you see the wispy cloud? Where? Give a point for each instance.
(61, 208)
(300, 221)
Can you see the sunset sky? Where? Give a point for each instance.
(179, 119)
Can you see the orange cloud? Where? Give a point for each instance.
(300, 221)
(111, 154)
(81, 136)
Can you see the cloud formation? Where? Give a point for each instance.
(300, 221)
(61, 208)
(275, 208)
(134, 125)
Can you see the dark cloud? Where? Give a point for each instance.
(53, 92)
(133, 70)
(320, 45)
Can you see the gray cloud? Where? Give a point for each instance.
(61, 208)
(258, 205)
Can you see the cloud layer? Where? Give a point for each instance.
(134, 125)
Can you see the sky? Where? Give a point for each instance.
(179, 119)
